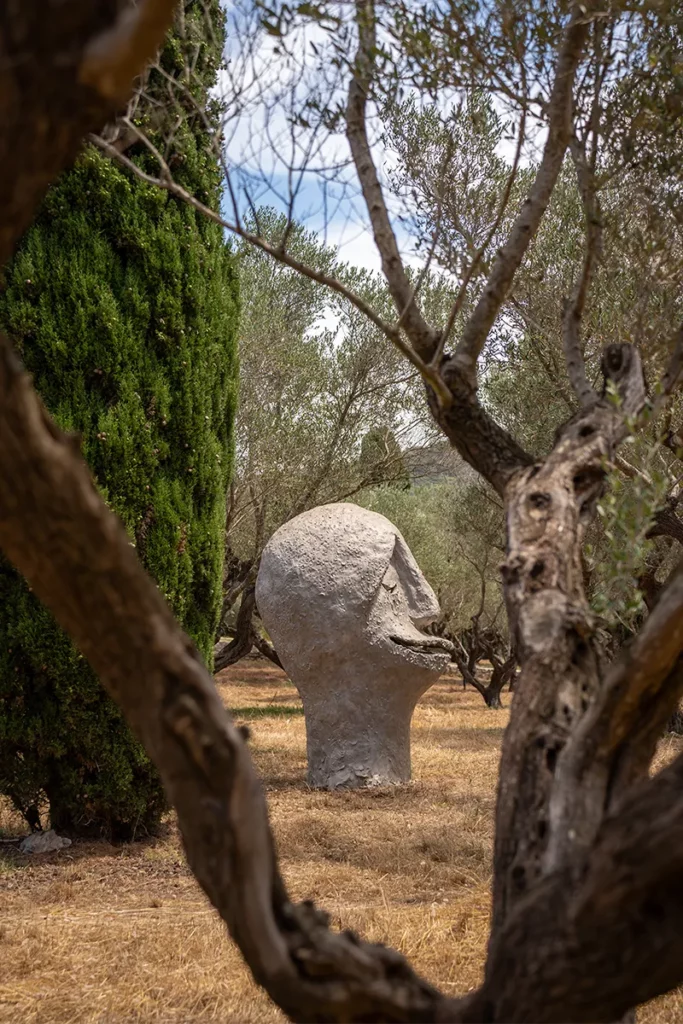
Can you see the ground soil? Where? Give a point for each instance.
(101, 934)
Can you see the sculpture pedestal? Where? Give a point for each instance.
(350, 745)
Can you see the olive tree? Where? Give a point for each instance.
(587, 865)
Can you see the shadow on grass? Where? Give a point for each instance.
(266, 711)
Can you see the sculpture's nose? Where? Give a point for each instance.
(423, 607)
(425, 610)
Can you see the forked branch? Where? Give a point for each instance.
(232, 651)
(557, 951)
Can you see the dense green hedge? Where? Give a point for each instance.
(123, 304)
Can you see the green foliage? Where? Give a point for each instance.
(453, 161)
(621, 547)
(450, 176)
(267, 711)
(123, 304)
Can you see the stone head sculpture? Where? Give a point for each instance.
(344, 601)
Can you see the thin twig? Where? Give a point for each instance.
(574, 307)
(435, 234)
(632, 472)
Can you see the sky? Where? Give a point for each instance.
(259, 143)
(259, 137)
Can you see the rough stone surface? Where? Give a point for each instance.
(43, 842)
(343, 600)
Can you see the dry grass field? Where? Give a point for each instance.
(103, 934)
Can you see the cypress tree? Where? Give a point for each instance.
(123, 304)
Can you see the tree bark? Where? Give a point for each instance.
(492, 698)
(555, 954)
(76, 556)
(247, 636)
(91, 579)
(423, 337)
(266, 649)
(667, 523)
(501, 672)
(560, 125)
(548, 509)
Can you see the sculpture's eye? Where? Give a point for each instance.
(391, 587)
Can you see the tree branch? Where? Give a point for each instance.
(482, 442)
(77, 557)
(477, 257)
(229, 653)
(673, 372)
(423, 338)
(559, 112)
(394, 335)
(631, 471)
(54, 99)
(615, 741)
(610, 940)
(547, 361)
(266, 649)
(466, 673)
(549, 507)
(667, 523)
(574, 307)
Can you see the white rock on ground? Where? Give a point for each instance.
(43, 842)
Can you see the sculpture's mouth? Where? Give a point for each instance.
(432, 646)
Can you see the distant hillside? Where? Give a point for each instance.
(436, 463)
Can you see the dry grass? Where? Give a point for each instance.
(111, 934)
